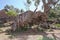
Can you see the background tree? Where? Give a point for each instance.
(22, 11)
(27, 4)
(52, 14)
(7, 8)
(55, 11)
(11, 7)
(11, 13)
(46, 5)
(36, 4)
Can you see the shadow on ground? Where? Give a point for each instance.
(30, 34)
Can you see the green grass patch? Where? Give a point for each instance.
(57, 25)
(45, 38)
(1, 30)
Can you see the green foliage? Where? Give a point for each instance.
(37, 2)
(22, 10)
(55, 13)
(52, 14)
(46, 38)
(11, 7)
(28, 1)
(28, 4)
(58, 7)
(11, 13)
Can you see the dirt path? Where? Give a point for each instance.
(29, 35)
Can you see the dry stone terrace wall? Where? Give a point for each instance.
(25, 18)
(30, 18)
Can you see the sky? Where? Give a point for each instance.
(18, 4)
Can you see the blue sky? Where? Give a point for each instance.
(18, 4)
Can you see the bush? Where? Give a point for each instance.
(11, 13)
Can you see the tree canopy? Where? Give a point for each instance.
(46, 5)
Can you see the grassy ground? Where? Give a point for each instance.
(31, 34)
(28, 35)
(57, 25)
(45, 38)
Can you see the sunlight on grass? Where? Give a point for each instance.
(45, 38)
(58, 25)
(11, 37)
(40, 38)
(1, 30)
